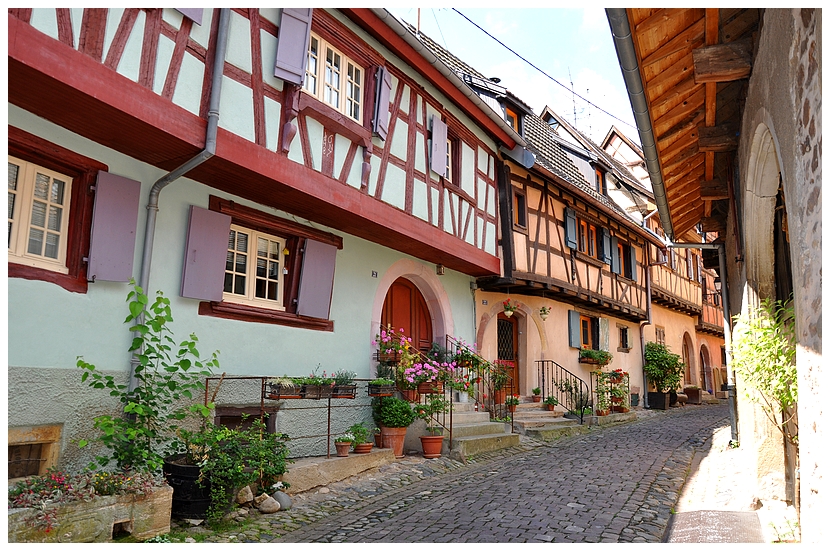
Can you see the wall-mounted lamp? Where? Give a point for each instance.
(439, 269)
(717, 284)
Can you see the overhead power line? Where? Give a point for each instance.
(514, 52)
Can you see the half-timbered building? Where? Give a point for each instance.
(292, 179)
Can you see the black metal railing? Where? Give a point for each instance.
(570, 391)
(490, 382)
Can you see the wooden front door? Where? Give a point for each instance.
(405, 308)
(508, 347)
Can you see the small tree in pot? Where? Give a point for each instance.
(663, 369)
(394, 416)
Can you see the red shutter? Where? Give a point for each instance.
(292, 44)
(438, 159)
(316, 279)
(194, 14)
(114, 220)
(384, 88)
(205, 254)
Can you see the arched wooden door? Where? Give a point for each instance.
(508, 347)
(405, 308)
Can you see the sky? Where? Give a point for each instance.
(573, 48)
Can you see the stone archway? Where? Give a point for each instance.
(428, 284)
(687, 357)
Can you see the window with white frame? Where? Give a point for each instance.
(334, 79)
(38, 215)
(254, 268)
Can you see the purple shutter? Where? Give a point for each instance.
(316, 279)
(292, 44)
(438, 160)
(114, 220)
(205, 254)
(194, 14)
(384, 87)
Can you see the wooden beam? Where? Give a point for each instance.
(723, 62)
(689, 39)
(714, 223)
(714, 190)
(723, 137)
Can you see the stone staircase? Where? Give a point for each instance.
(474, 433)
(534, 420)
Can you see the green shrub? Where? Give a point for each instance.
(662, 368)
(394, 412)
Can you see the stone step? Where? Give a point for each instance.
(524, 426)
(476, 429)
(554, 431)
(470, 417)
(465, 446)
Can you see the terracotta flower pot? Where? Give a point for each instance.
(550, 407)
(432, 446)
(411, 395)
(393, 437)
(432, 387)
(379, 440)
(511, 409)
(603, 412)
(365, 447)
(342, 448)
(499, 396)
(537, 398)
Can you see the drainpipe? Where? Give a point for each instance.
(727, 327)
(208, 152)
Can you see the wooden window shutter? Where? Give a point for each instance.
(574, 334)
(194, 14)
(632, 252)
(205, 254)
(570, 228)
(383, 89)
(292, 44)
(606, 245)
(615, 256)
(438, 159)
(114, 220)
(316, 280)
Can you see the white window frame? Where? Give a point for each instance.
(317, 85)
(249, 297)
(21, 218)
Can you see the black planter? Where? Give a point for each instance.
(658, 400)
(191, 499)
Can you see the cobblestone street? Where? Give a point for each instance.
(614, 484)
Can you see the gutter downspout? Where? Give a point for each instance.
(624, 44)
(648, 319)
(727, 328)
(208, 152)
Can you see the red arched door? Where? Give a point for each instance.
(405, 308)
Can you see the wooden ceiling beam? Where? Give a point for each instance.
(714, 223)
(714, 190)
(723, 137)
(723, 62)
(681, 150)
(686, 41)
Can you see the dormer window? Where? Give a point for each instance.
(601, 183)
(512, 118)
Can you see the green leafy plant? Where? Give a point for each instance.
(551, 401)
(510, 306)
(232, 459)
(347, 437)
(511, 401)
(663, 369)
(499, 376)
(344, 377)
(382, 381)
(360, 432)
(602, 357)
(537, 391)
(153, 410)
(394, 412)
(763, 356)
(434, 405)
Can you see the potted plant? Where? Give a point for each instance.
(343, 443)
(283, 388)
(499, 378)
(361, 441)
(511, 402)
(619, 396)
(378, 437)
(381, 387)
(537, 394)
(317, 386)
(344, 386)
(592, 356)
(550, 403)
(428, 376)
(434, 405)
(663, 370)
(394, 416)
(544, 312)
(509, 307)
(602, 406)
(391, 345)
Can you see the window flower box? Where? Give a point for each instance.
(317, 392)
(344, 391)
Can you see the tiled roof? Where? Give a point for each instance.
(539, 136)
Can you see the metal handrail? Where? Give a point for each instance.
(569, 390)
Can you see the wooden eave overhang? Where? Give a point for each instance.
(694, 64)
(71, 89)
